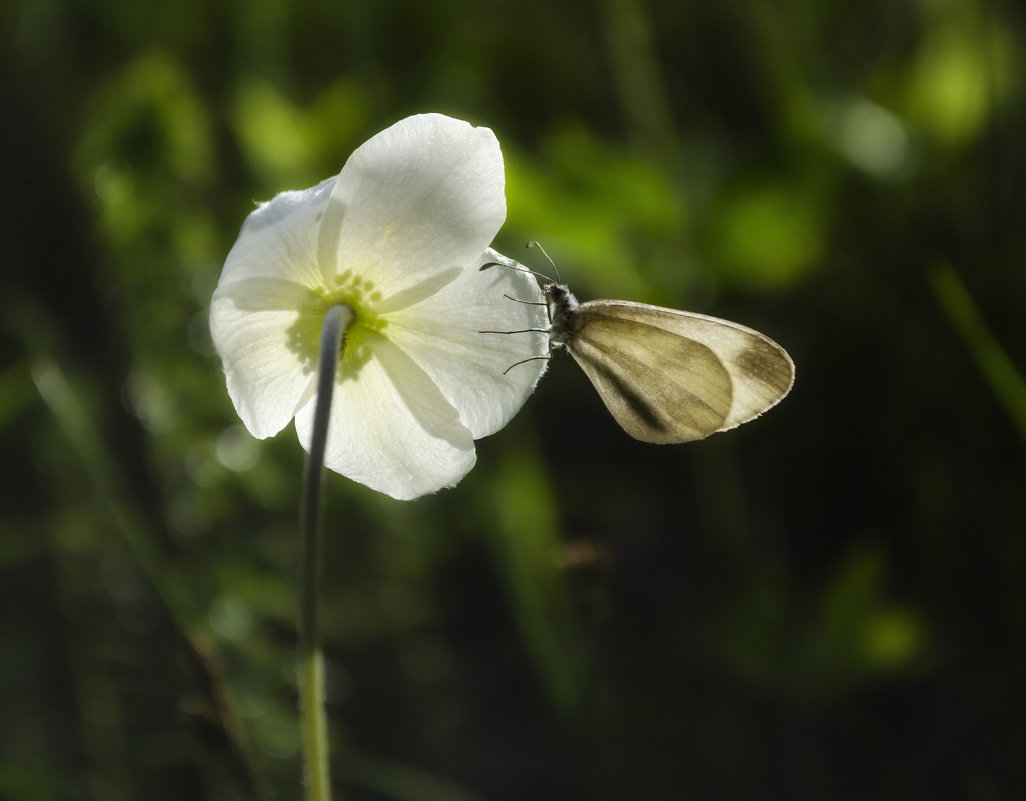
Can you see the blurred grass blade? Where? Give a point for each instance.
(71, 411)
(525, 541)
(401, 782)
(74, 419)
(992, 359)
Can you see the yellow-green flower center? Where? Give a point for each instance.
(360, 295)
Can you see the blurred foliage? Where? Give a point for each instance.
(828, 603)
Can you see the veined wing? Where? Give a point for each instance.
(673, 376)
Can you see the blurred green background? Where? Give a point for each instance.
(827, 603)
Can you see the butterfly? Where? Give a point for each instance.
(667, 376)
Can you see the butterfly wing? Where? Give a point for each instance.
(672, 376)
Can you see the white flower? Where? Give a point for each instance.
(398, 236)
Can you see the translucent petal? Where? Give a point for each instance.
(391, 429)
(279, 239)
(474, 370)
(404, 228)
(252, 325)
(420, 198)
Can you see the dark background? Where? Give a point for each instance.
(827, 603)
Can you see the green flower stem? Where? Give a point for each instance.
(311, 659)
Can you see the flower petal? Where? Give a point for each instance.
(474, 370)
(279, 239)
(251, 323)
(391, 429)
(421, 197)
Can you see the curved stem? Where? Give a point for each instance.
(311, 659)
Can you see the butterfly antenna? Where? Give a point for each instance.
(535, 244)
(519, 330)
(525, 361)
(518, 267)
